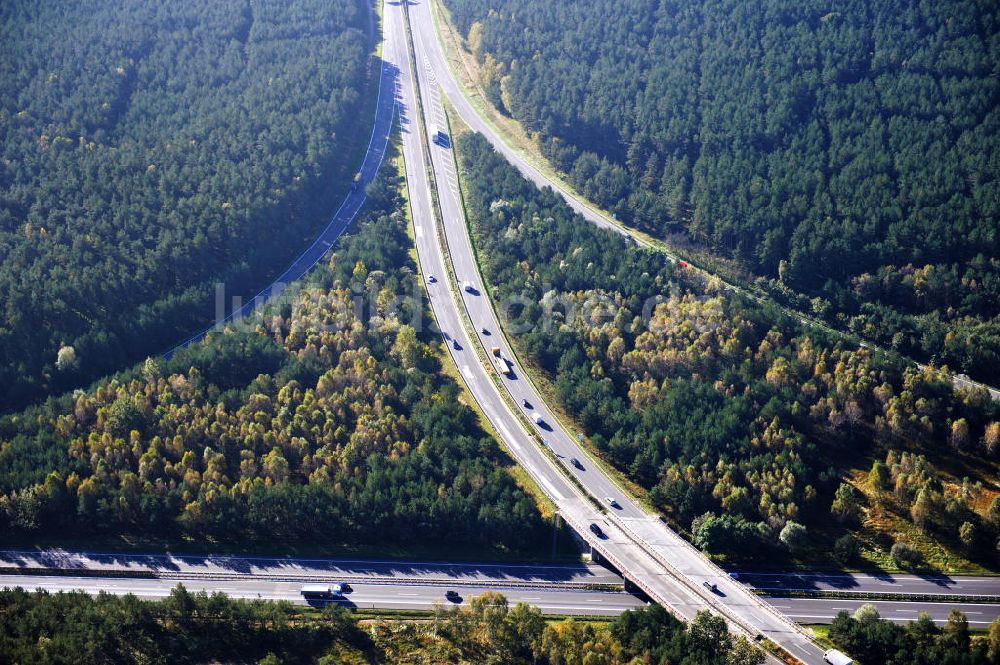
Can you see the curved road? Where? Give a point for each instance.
(636, 543)
(423, 23)
(348, 210)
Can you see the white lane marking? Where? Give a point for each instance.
(466, 371)
(418, 230)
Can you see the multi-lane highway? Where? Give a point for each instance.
(883, 583)
(402, 594)
(822, 610)
(399, 595)
(638, 544)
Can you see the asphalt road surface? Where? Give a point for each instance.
(928, 585)
(361, 596)
(424, 597)
(186, 566)
(822, 610)
(638, 544)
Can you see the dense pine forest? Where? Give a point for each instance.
(149, 150)
(762, 440)
(327, 424)
(195, 628)
(843, 153)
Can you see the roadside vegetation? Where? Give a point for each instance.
(767, 443)
(149, 150)
(870, 639)
(328, 421)
(841, 157)
(196, 628)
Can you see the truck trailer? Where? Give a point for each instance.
(500, 363)
(835, 657)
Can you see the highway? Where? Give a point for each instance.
(923, 585)
(399, 596)
(415, 596)
(663, 565)
(423, 23)
(822, 610)
(225, 566)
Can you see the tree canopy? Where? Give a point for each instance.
(738, 422)
(326, 420)
(149, 150)
(844, 154)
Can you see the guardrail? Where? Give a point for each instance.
(943, 598)
(646, 547)
(350, 579)
(753, 631)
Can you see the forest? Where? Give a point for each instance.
(843, 155)
(195, 628)
(871, 639)
(746, 430)
(149, 150)
(327, 423)
(190, 627)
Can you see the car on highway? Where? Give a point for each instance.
(455, 345)
(432, 279)
(484, 331)
(711, 586)
(525, 403)
(453, 596)
(468, 287)
(596, 530)
(537, 418)
(612, 502)
(575, 462)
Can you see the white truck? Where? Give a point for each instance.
(322, 590)
(835, 657)
(537, 418)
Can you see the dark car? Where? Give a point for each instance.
(453, 596)
(455, 345)
(575, 462)
(597, 530)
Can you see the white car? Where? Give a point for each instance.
(612, 502)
